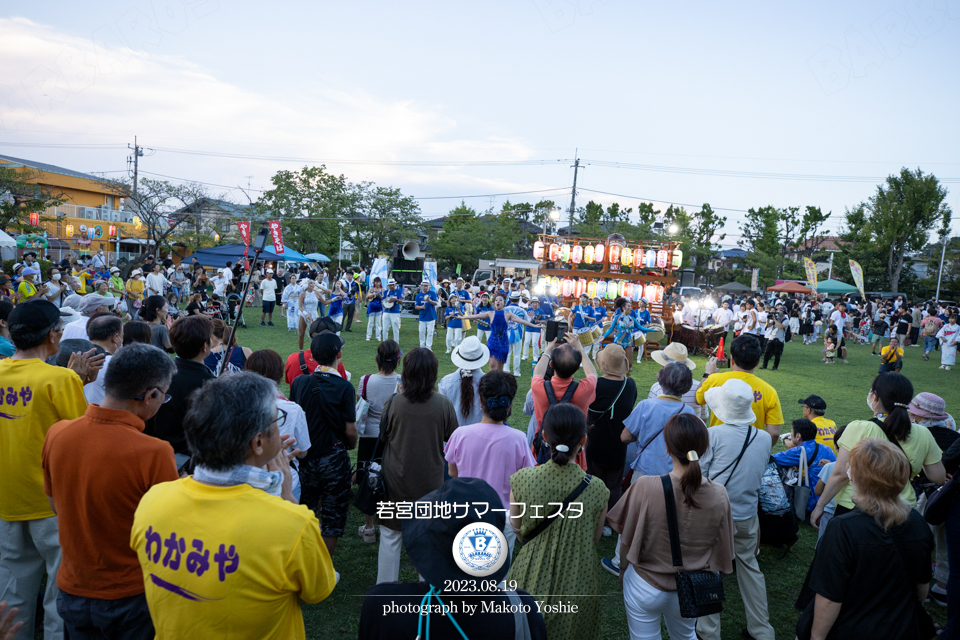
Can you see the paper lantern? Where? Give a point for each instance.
(626, 257)
(538, 250)
(598, 253)
(588, 254)
(555, 286)
(637, 292)
(35, 219)
(581, 287)
(626, 290)
(554, 252)
(613, 253)
(577, 254)
(662, 258)
(138, 225)
(601, 291)
(69, 230)
(592, 288)
(650, 259)
(650, 292)
(542, 285)
(565, 253)
(638, 257)
(659, 293)
(677, 259)
(112, 230)
(612, 289)
(567, 287)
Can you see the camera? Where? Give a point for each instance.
(555, 331)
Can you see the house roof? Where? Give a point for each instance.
(827, 243)
(49, 168)
(732, 253)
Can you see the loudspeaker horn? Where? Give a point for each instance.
(411, 250)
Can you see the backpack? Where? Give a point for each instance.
(541, 449)
(930, 329)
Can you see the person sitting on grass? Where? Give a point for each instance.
(802, 441)
(891, 357)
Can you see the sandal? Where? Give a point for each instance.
(367, 535)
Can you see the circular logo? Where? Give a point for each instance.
(480, 549)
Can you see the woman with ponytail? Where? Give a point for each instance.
(705, 525)
(559, 555)
(888, 399)
(462, 386)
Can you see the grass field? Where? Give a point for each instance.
(801, 373)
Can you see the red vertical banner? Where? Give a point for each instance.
(277, 237)
(245, 236)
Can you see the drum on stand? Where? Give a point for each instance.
(658, 333)
(585, 335)
(687, 336)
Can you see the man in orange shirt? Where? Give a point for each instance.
(302, 362)
(96, 469)
(566, 360)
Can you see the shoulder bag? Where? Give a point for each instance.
(746, 443)
(700, 592)
(363, 407)
(371, 485)
(801, 493)
(540, 528)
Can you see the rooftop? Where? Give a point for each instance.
(48, 168)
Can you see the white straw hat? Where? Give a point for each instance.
(470, 354)
(732, 402)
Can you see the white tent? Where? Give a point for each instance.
(6, 240)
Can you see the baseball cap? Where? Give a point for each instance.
(31, 271)
(4, 279)
(814, 402)
(325, 346)
(269, 270)
(36, 313)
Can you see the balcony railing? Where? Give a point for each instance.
(101, 213)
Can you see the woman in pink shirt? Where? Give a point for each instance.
(491, 450)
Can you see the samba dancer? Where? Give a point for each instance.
(499, 341)
(531, 337)
(289, 298)
(307, 304)
(515, 333)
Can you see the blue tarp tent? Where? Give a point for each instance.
(217, 257)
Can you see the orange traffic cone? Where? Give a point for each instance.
(720, 350)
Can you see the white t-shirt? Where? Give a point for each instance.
(76, 330)
(95, 391)
(219, 283)
(155, 282)
(268, 290)
(723, 316)
(826, 309)
(296, 426)
(838, 319)
(54, 288)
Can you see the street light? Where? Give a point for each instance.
(673, 229)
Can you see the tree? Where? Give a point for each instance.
(809, 236)
(313, 205)
(902, 213)
(20, 196)
(155, 204)
(696, 231)
(382, 218)
(461, 241)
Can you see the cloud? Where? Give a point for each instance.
(120, 82)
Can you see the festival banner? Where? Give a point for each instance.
(811, 268)
(277, 237)
(755, 280)
(245, 236)
(857, 272)
(430, 274)
(380, 269)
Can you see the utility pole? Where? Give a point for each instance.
(137, 153)
(573, 195)
(943, 253)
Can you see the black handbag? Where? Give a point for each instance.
(940, 502)
(700, 592)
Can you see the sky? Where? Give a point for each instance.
(737, 104)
